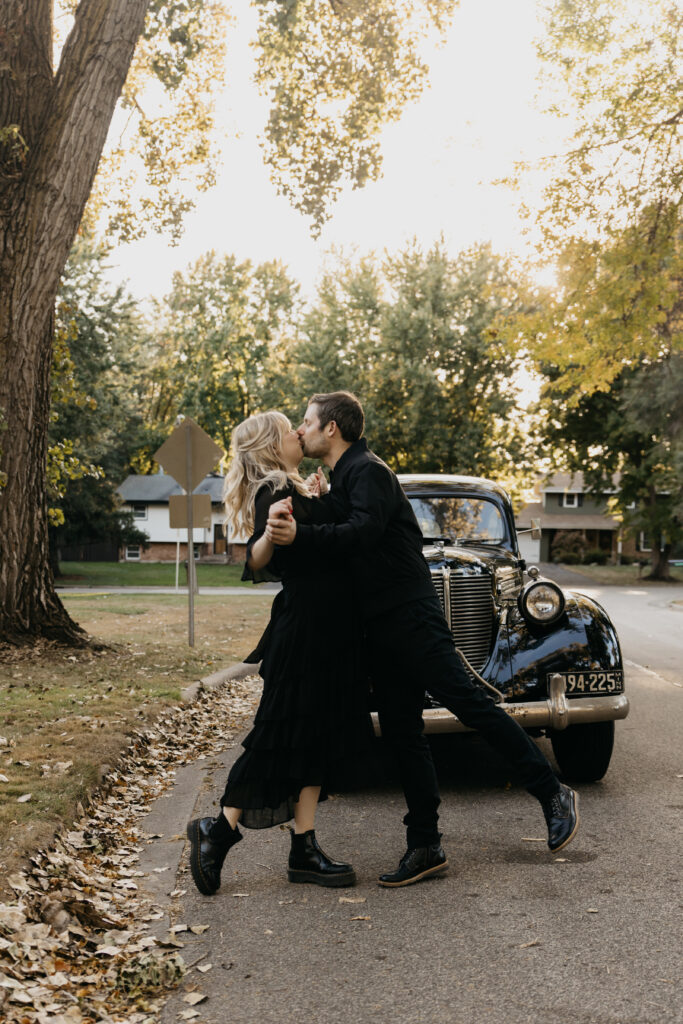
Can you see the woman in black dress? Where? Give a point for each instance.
(313, 716)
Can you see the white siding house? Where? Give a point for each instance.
(147, 497)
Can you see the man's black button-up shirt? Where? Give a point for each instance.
(375, 528)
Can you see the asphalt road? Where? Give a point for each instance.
(510, 935)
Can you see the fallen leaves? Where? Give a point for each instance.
(73, 946)
(194, 998)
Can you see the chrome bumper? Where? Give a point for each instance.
(557, 712)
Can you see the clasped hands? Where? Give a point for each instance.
(281, 525)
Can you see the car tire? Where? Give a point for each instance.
(583, 752)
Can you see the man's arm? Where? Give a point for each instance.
(371, 494)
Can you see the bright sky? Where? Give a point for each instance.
(440, 160)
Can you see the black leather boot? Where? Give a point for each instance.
(210, 840)
(562, 817)
(308, 863)
(416, 864)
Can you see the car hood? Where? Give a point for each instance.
(470, 561)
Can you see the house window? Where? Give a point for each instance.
(570, 500)
(139, 511)
(197, 550)
(644, 542)
(133, 553)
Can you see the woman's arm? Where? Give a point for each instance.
(261, 553)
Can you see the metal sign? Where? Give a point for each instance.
(201, 511)
(188, 455)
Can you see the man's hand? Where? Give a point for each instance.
(280, 509)
(317, 483)
(280, 530)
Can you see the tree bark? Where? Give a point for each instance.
(660, 562)
(63, 121)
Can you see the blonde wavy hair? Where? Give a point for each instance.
(255, 460)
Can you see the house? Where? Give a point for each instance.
(562, 503)
(147, 497)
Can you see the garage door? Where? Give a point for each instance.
(529, 549)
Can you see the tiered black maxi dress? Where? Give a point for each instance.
(313, 718)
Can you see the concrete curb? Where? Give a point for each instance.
(216, 679)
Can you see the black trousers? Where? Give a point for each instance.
(410, 650)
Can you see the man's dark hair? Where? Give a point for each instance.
(346, 411)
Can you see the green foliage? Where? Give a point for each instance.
(95, 423)
(596, 556)
(165, 150)
(336, 71)
(630, 437)
(609, 337)
(411, 335)
(611, 210)
(569, 546)
(207, 354)
(616, 69)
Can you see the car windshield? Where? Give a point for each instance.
(464, 519)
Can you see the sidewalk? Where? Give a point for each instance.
(260, 589)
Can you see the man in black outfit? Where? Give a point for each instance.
(410, 647)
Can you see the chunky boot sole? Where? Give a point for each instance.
(329, 881)
(575, 829)
(198, 877)
(438, 869)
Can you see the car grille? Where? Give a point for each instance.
(470, 613)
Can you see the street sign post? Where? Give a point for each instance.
(187, 455)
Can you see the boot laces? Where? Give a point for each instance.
(556, 805)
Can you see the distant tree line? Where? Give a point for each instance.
(411, 334)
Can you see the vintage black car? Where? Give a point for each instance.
(550, 656)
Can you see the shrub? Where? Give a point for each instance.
(568, 546)
(597, 556)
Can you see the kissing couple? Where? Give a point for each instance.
(357, 600)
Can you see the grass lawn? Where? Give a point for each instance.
(146, 574)
(67, 713)
(622, 575)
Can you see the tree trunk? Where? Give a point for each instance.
(30, 607)
(62, 122)
(660, 562)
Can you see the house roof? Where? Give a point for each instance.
(157, 489)
(591, 521)
(560, 483)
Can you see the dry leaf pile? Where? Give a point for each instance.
(74, 947)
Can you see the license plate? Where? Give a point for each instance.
(584, 684)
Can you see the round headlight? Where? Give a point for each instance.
(541, 601)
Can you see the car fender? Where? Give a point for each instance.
(583, 639)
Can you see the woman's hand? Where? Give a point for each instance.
(279, 515)
(317, 483)
(281, 509)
